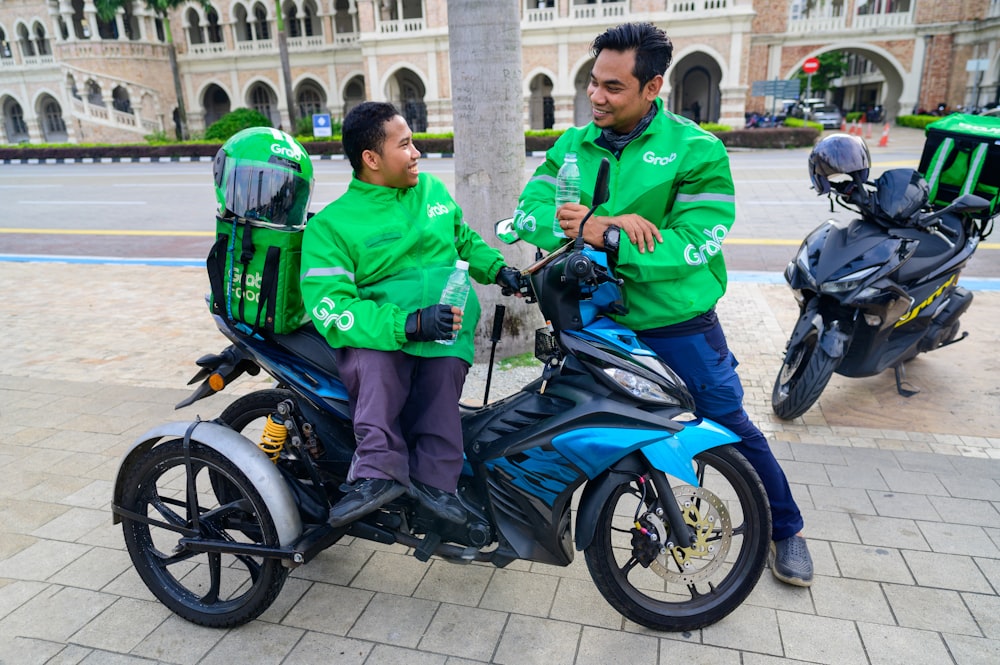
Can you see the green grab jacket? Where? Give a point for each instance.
(376, 254)
(677, 176)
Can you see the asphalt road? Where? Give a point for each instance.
(163, 211)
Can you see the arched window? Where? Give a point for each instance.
(53, 125)
(195, 34)
(41, 41)
(243, 29)
(120, 100)
(216, 103)
(214, 28)
(17, 129)
(94, 94)
(292, 25)
(310, 99)
(5, 51)
(261, 26)
(263, 100)
(310, 24)
(24, 38)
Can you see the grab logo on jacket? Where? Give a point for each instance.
(651, 157)
(324, 314)
(699, 255)
(433, 210)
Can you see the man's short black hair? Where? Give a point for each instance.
(364, 129)
(653, 49)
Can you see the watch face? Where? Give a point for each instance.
(612, 237)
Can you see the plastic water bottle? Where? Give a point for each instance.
(567, 188)
(456, 292)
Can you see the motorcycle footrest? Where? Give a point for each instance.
(425, 550)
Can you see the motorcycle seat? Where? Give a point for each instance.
(932, 250)
(307, 343)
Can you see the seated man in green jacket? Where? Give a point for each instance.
(374, 263)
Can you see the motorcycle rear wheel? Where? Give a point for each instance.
(685, 588)
(803, 376)
(209, 589)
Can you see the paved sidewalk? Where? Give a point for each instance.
(901, 499)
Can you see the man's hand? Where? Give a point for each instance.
(509, 280)
(433, 322)
(641, 232)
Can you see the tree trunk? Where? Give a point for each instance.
(484, 38)
(286, 68)
(178, 89)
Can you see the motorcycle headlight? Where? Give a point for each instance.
(847, 282)
(640, 387)
(802, 263)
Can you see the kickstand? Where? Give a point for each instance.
(900, 379)
(427, 546)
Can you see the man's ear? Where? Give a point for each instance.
(652, 88)
(371, 159)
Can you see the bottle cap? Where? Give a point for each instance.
(570, 157)
(462, 265)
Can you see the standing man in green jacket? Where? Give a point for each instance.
(374, 263)
(671, 204)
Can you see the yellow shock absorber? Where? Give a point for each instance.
(272, 439)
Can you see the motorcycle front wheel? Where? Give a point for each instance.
(661, 586)
(803, 376)
(215, 501)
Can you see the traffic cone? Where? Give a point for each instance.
(843, 125)
(868, 131)
(884, 141)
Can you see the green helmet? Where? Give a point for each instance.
(263, 174)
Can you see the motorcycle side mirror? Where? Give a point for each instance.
(506, 232)
(967, 202)
(600, 196)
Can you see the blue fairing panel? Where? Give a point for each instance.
(594, 449)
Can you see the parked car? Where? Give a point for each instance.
(804, 107)
(827, 115)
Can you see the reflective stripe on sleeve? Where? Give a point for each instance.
(694, 198)
(328, 272)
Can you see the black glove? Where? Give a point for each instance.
(509, 280)
(430, 323)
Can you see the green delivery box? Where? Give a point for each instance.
(254, 274)
(961, 155)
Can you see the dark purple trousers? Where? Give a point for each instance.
(405, 411)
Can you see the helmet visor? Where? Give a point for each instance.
(269, 194)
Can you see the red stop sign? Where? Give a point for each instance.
(810, 66)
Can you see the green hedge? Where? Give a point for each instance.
(916, 121)
(777, 137)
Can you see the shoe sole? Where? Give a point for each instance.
(794, 581)
(397, 491)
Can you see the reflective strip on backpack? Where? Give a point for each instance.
(937, 165)
(976, 161)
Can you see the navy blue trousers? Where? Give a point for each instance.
(708, 367)
(405, 412)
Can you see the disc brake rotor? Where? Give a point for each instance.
(713, 528)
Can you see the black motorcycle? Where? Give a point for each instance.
(673, 521)
(877, 290)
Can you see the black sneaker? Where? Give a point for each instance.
(790, 561)
(444, 505)
(363, 497)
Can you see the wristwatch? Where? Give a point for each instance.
(612, 239)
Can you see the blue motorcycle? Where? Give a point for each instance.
(673, 522)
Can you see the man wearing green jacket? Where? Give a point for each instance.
(374, 263)
(671, 204)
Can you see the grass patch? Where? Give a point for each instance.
(521, 360)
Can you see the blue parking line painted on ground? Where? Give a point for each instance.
(758, 277)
